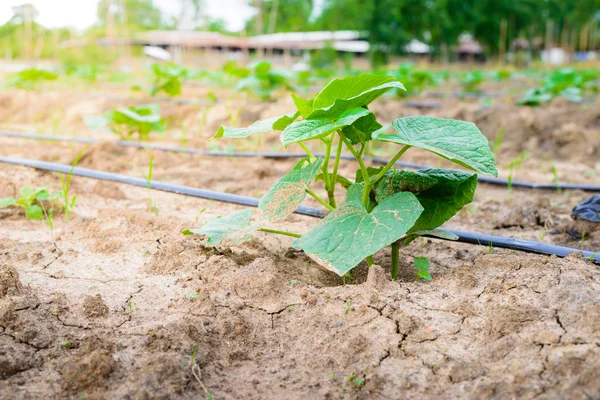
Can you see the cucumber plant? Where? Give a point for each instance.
(32, 201)
(168, 78)
(383, 206)
(129, 120)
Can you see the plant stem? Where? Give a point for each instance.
(284, 233)
(336, 163)
(395, 260)
(363, 169)
(320, 200)
(325, 168)
(306, 149)
(389, 165)
(370, 261)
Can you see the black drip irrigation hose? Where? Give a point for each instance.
(377, 160)
(463, 237)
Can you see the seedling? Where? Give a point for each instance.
(127, 121)
(348, 307)
(29, 78)
(192, 296)
(65, 183)
(472, 80)
(168, 78)
(152, 207)
(259, 79)
(383, 206)
(422, 266)
(31, 200)
(66, 344)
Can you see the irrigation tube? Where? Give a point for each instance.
(378, 160)
(463, 237)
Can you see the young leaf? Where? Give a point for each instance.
(289, 191)
(304, 106)
(422, 266)
(7, 202)
(34, 212)
(343, 94)
(454, 190)
(457, 141)
(361, 130)
(230, 230)
(349, 234)
(308, 129)
(266, 125)
(396, 181)
(96, 122)
(434, 232)
(344, 182)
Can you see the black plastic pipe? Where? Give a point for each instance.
(463, 237)
(378, 160)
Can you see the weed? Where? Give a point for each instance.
(65, 183)
(383, 206)
(348, 307)
(152, 207)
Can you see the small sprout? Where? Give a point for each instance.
(290, 308)
(348, 307)
(422, 266)
(293, 282)
(191, 296)
(66, 344)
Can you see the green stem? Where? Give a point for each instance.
(363, 169)
(370, 261)
(389, 165)
(320, 200)
(325, 168)
(307, 150)
(395, 259)
(336, 166)
(284, 233)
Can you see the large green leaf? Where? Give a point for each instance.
(265, 125)
(454, 190)
(289, 191)
(350, 92)
(308, 129)
(349, 234)
(230, 230)
(396, 181)
(458, 141)
(361, 130)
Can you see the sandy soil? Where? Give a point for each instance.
(118, 303)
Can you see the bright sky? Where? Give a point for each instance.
(81, 14)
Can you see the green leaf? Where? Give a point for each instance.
(96, 122)
(362, 129)
(230, 230)
(317, 128)
(266, 125)
(343, 181)
(441, 202)
(289, 191)
(284, 121)
(372, 171)
(304, 106)
(396, 181)
(434, 232)
(34, 212)
(343, 94)
(457, 141)
(422, 266)
(349, 233)
(7, 202)
(42, 195)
